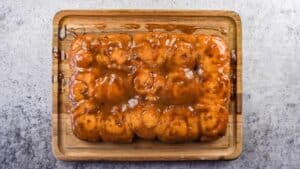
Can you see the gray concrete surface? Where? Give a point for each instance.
(271, 70)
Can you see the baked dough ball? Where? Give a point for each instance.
(83, 59)
(216, 90)
(79, 90)
(115, 127)
(150, 48)
(214, 65)
(113, 88)
(82, 52)
(213, 48)
(85, 121)
(82, 84)
(182, 86)
(115, 51)
(177, 124)
(182, 54)
(148, 83)
(213, 121)
(214, 56)
(81, 42)
(143, 120)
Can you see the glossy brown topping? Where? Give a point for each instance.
(178, 124)
(165, 86)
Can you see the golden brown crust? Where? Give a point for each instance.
(150, 48)
(149, 83)
(182, 53)
(113, 88)
(115, 127)
(182, 87)
(143, 120)
(212, 121)
(85, 121)
(177, 124)
(114, 51)
(171, 87)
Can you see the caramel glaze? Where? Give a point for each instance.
(131, 26)
(166, 86)
(188, 29)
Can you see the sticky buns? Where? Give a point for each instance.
(166, 86)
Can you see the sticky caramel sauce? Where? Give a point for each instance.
(171, 27)
(188, 29)
(131, 26)
(166, 86)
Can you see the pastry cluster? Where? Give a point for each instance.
(165, 86)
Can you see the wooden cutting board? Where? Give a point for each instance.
(67, 24)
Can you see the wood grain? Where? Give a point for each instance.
(68, 24)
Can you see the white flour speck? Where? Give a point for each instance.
(124, 107)
(221, 70)
(172, 41)
(112, 78)
(167, 42)
(189, 74)
(191, 108)
(114, 109)
(132, 102)
(158, 43)
(84, 46)
(133, 44)
(200, 71)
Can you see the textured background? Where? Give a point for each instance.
(271, 66)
